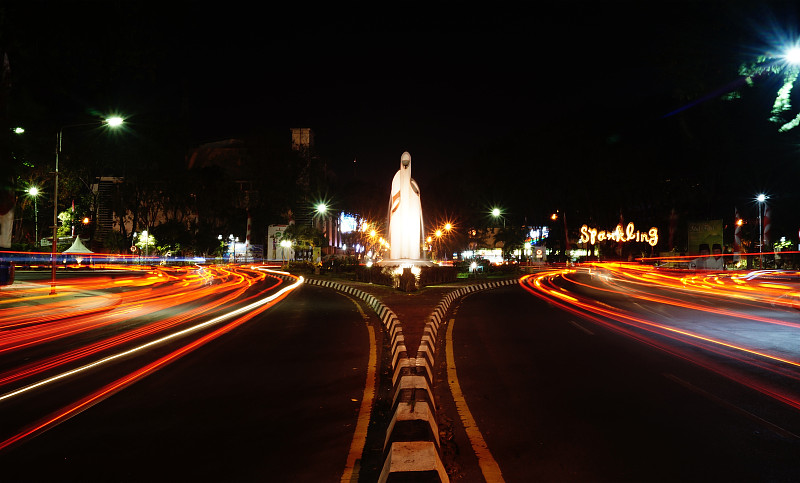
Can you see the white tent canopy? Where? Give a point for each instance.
(77, 247)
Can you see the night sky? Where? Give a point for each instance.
(570, 104)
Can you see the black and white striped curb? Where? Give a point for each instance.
(411, 446)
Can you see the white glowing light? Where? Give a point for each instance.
(114, 121)
(793, 55)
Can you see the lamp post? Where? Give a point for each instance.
(146, 238)
(284, 245)
(232, 241)
(761, 198)
(34, 192)
(112, 122)
(496, 213)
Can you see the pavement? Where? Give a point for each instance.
(412, 308)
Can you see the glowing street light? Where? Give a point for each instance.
(34, 192)
(761, 198)
(115, 121)
(785, 64)
(285, 244)
(112, 122)
(233, 240)
(496, 213)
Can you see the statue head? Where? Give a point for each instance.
(405, 160)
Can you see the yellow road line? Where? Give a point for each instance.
(489, 467)
(353, 466)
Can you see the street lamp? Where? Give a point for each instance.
(146, 238)
(792, 56)
(497, 213)
(232, 241)
(284, 245)
(34, 192)
(761, 198)
(113, 122)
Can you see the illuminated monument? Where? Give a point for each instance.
(405, 218)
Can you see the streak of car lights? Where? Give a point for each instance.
(764, 292)
(74, 325)
(541, 285)
(687, 305)
(239, 316)
(625, 317)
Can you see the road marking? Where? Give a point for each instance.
(774, 427)
(580, 327)
(489, 467)
(353, 466)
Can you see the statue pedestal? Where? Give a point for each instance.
(405, 262)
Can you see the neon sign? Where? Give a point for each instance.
(629, 234)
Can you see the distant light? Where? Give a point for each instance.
(19, 130)
(322, 208)
(792, 55)
(554, 216)
(86, 220)
(448, 226)
(761, 198)
(438, 233)
(33, 191)
(496, 212)
(114, 121)
(347, 223)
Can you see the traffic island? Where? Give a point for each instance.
(412, 322)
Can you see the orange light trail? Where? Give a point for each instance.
(137, 314)
(695, 295)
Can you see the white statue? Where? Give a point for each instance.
(405, 214)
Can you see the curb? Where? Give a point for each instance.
(411, 445)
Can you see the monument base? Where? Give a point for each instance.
(405, 262)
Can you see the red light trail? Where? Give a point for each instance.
(744, 323)
(94, 322)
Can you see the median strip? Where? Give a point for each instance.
(411, 444)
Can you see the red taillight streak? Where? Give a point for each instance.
(110, 389)
(774, 392)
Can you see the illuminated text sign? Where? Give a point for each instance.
(629, 234)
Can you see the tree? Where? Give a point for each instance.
(304, 236)
(512, 237)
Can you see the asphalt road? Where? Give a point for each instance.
(557, 397)
(276, 399)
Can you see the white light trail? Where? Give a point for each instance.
(176, 335)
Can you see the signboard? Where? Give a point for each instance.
(618, 234)
(273, 250)
(704, 233)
